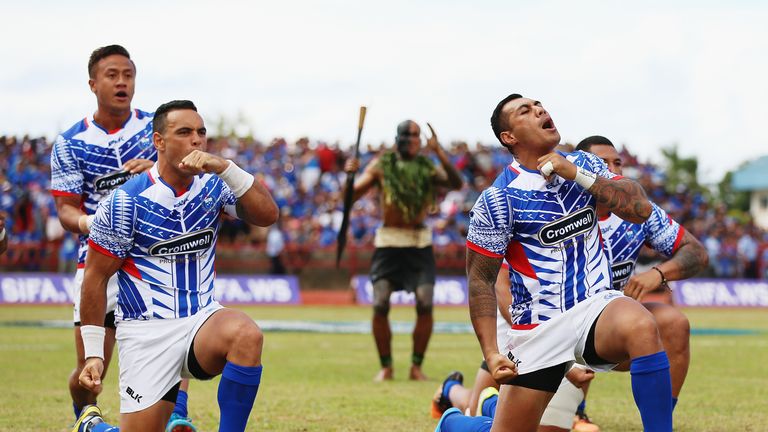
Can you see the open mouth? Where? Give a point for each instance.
(121, 94)
(548, 125)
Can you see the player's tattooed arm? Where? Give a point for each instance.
(481, 277)
(687, 261)
(624, 197)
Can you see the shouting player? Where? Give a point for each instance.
(623, 241)
(540, 215)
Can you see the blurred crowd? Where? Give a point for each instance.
(306, 180)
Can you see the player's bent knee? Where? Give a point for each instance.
(249, 340)
(381, 308)
(424, 309)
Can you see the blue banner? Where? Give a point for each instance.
(448, 291)
(54, 288)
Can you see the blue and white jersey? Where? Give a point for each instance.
(623, 241)
(87, 160)
(167, 241)
(548, 233)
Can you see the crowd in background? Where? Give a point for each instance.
(306, 180)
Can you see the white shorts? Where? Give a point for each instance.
(153, 356)
(563, 405)
(559, 340)
(112, 288)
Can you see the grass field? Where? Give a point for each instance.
(322, 382)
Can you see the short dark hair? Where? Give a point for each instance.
(587, 143)
(161, 114)
(106, 51)
(498, 124)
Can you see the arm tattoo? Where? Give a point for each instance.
(624, 197)
(481, 275)
(690, 258)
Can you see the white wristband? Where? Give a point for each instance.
(93, 340)
(585, 178)
(85, 222)
(238, 179)
(2, 235)
(547, 168)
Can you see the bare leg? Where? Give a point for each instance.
(519, 409)
(422, 330)
(483, 379)
(625, 330)
(675, 333)
(152, 419)
(382, 333)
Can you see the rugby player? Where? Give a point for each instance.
(96, 155)
(158, 233)
(540, 215)
(623, 241)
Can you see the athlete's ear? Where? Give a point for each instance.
(158, 141)
(508, 139)
(91, 84)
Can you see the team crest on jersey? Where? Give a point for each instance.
(187, 243)
(567, 227)
(208, 203)
(621, 271)
(111, 180)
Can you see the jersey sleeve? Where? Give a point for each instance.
(594, 164)
(228, 201)
(113, 229)
(662, 233)
(66, 175)
(490, 223)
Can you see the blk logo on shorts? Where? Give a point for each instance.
(512, 358)
(133, 395)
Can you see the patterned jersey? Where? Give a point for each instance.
(87, 160)
(167, 242)
(623, 241)
(548, 233)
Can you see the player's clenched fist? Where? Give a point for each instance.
(502, 368)
(200, 162)
(90, 377)
(555, 163)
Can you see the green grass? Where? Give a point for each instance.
(322, 382)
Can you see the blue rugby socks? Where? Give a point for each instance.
(237, 392)
(458, 422)
(181, 404)
(447, 389)
(489, 407)
(652, 390)
(103, 427)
